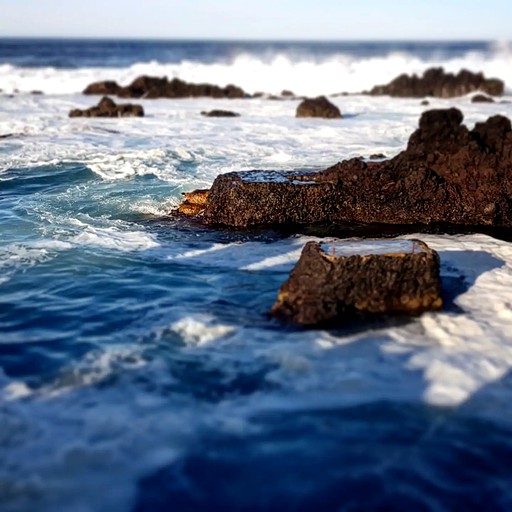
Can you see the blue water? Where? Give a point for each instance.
(76, 53)
(138, 368)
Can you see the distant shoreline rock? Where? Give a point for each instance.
(149, 87)
(437, 83)
(220, 113)
(108, 108)
(318, 107)
(447, 175)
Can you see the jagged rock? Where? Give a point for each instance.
(436, 82)
(194, 203)
(333, 281)
(481, 98)
(220, 113)
(108, 108)
(448, 175)
(318, 107)
(160, 87)
(107, 87)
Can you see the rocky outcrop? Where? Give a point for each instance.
(160, 87)
(108, 108)
(447, 174)
(220, 113)
(332, 281)
(318, 107)
(436, 82)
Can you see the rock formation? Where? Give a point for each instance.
(436, 82)
(108, 108)
(318, 107)
(160, 87)
(330, 282)
(448, 175)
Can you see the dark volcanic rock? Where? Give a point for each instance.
(107, 87)
(160, 87)
(318, 107)
(327, 285)
(436, 82)
(220, 113)
(425, 103)
(108, 108)
(448, 174)
(481, 98)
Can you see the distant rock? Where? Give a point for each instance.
(448, 174)
(287, 94)
(331, 282)
(104, 88)
(108, 108)
(425, 103)
(160, 87)
(318, 107)
(437, 83)
(377, 156)
(220, 113)
(481, 98)
(36, 92)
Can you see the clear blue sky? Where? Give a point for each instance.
(259, 19)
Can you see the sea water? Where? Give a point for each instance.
(138, 368)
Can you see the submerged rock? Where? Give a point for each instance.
(220, 113)
(448, 175)
(436, 82)
(334, 281)
(160, 87)
(481, 98)
(318, 107)
(108, 108)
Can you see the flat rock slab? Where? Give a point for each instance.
(333, 281)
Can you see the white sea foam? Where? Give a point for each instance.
(308, 76)
(113, 238)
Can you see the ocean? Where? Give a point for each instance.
(138, 368)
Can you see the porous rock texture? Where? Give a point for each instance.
(325, 288)
(447, 175)
(108, 108)
(436, 82)
(318, 107)
(161, 87)
(194, 203)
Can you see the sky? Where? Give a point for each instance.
(259, 19)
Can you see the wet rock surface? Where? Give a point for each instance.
(329, 284)
(447, 175)
(108, 108)
(318, 107)
(436, 82)
(160, 87)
